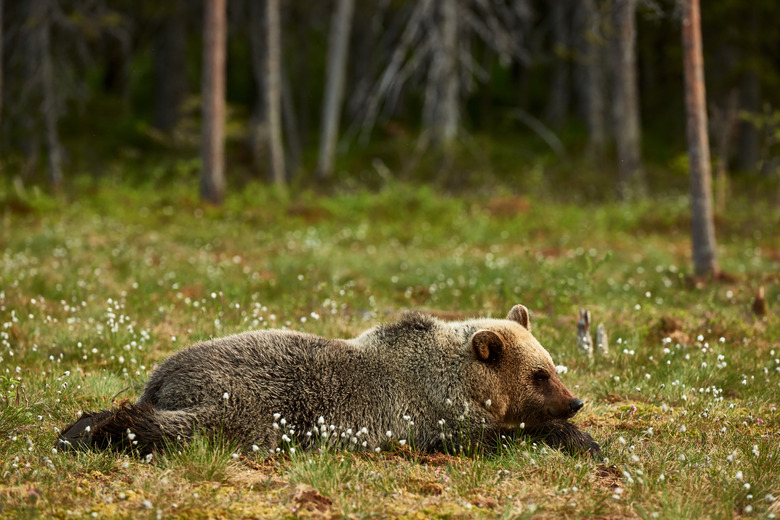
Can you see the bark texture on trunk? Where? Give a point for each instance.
(274, 90)
(702, 223)
(338, 47)
(1, 63)
(213, 130)
(626, 101)
(441, 112)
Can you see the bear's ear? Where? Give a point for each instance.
(487, 345)
(520, 315)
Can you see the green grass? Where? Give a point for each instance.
(97, 289)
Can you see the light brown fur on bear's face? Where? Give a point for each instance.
(518, 376)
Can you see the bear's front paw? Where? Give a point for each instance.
(566, 437)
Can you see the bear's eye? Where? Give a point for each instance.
(541, 377)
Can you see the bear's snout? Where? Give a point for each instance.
(575, 404)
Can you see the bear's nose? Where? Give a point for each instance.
(575, 404)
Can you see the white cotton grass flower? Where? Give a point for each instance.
(321, 420)
(255, 448)
(488, 403)
(389, 433)
(226, 396)
(561, 369)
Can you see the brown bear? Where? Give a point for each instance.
(436, 384)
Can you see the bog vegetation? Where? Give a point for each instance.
(475, 166)
(95, 293)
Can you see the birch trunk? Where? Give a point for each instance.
(274, 90)
(449, 116)
(213, 99)
(441, 114)
(338, 46)
(702, 224)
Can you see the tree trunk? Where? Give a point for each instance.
(258, 134)
(702, 225)
(51, 114)
(590, 74)
(442, 114)
(722, 124)
(559, 83)
(290, 126)
(170, 67)
(748, 133)
(338, 46)
(274, 90)
(626, 101)
(212, 186)
(1, 64)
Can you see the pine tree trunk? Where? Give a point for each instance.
(338, 46)
(702, 224)
(274, 90)
(1, 64)
(590, 74)
(213, 99)
(626, 101)
(170, 67)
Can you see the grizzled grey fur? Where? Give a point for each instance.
(420, 378)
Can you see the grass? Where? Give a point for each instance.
(97, 290)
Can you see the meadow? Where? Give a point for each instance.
(99, 288)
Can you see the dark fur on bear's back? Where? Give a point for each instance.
(404, 377)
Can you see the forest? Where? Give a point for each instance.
(457, 93)
(180, 171)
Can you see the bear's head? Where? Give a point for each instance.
(517, 381)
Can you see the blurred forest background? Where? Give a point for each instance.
(459, 93)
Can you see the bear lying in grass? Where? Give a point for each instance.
(441, 385)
